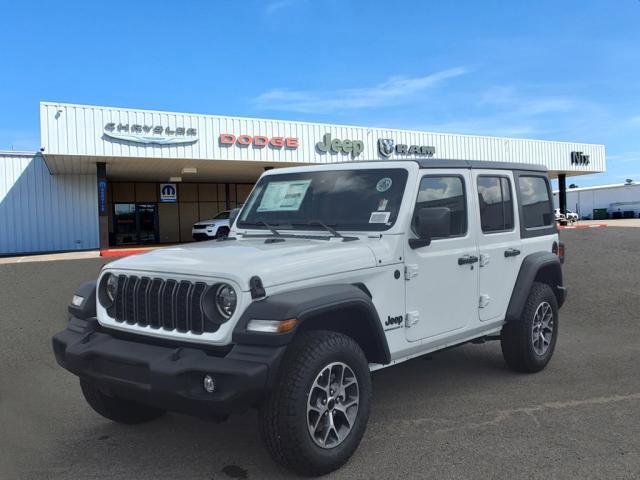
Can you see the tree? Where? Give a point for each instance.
(573, 185)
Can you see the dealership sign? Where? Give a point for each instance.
(388, 146)
(168, 193)
(354, 147)
(150, 134)
(579, 158)
(257, 141)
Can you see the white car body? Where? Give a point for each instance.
(209, 229)
(438, 300)
(568, 215)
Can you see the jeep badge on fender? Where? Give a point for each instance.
(292, 310)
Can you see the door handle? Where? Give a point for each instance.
(511, 252)
(467, 259)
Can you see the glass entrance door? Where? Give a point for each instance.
(135, 223)
(147, 216)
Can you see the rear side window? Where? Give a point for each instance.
(536, 204)
(447, 192)
(496, 206)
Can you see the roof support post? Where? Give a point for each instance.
(562, 192)
(103, 212)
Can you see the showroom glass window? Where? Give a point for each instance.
(536, 202)
(444, 191)
(496, 205)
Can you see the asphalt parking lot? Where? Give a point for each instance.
(456, 414)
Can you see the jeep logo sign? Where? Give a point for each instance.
(579, 158)
(388, 146)
(354, 147)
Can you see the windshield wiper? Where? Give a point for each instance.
(269, 227)
(278, 236)
(329, 229)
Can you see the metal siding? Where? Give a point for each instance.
(79, 131)
(43, 212)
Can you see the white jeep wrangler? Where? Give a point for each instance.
(329, 272)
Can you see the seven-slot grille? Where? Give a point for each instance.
(156, 302)
(200, 227)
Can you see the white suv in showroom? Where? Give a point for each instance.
(217, 227)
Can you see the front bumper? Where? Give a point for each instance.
(167, 376)
(202, 235)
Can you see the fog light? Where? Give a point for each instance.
(209, 384)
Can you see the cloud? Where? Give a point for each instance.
(493, 126)
(391, 92)
(635, 121)
(632, 156)
(519, 103)
(273, 7)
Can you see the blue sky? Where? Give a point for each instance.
(562, 70)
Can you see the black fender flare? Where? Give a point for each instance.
(533, 264)
(307, 304)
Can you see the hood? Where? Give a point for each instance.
(210, 222)
(239, 260)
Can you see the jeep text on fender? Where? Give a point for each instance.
(328, 273)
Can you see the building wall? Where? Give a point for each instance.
(79, 131)
(43, 212)
(614, 198)
(196, 201)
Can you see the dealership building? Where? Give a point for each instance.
(118, 176)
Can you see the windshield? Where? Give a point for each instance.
(222, 216)
(343, 199)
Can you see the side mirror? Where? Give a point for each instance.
(431, 223)
(232, 216)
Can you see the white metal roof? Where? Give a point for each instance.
(74, 137)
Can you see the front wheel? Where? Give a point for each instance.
(223, 232)
(317, 413)
(528, 343)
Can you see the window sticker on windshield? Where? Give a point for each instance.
(383, 204)
(379, 217)
(384, 184)
(283, 196)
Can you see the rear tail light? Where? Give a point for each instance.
(558, 249)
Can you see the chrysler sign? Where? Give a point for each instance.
(150, 134)
(388, 146)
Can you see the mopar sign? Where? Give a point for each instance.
(168, 192)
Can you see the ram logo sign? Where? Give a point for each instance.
(168, 193)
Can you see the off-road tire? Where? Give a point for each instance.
(283, 416)
(117, 409)
(516, 339)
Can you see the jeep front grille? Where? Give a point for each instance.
(158, 303)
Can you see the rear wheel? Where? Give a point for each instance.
(115, 408)
(315, 417)
(528, 343)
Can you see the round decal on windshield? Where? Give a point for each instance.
(384, 184)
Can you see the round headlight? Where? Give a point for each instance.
(111, 287)
(226, 300)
